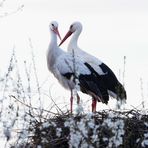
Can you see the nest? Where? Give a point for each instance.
(107, 128)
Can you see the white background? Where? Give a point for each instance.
(112, 29)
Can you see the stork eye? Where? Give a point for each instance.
(52, 25)
(71, 26)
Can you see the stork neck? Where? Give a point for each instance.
(74, 40)
(53, 40)
(53, 51)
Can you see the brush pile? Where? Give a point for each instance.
(104, 129)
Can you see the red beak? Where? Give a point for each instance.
(57, 32)
(68, 34)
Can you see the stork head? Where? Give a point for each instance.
(54, 27)
(76, 26)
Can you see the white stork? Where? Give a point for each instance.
(108, 83)
(70, 71)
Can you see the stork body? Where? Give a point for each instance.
(70, 71)
(107, 81)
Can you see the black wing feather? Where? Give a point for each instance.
(112, 82)
(89, 85)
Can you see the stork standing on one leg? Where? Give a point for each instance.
(107, 81)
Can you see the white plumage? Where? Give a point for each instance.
(66, 68)
(108, 83)
(65, 64)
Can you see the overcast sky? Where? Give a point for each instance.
(112, 29)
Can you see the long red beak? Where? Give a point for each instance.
(68, 34)
(57, 32)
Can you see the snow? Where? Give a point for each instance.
(117, 128)
(145, 140)
(45, 125)
(79, 132)
(58, 132)
(144, 143)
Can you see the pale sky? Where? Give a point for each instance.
(112, 29)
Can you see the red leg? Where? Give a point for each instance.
(71, 102)
(94, 104)
(78, 99)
